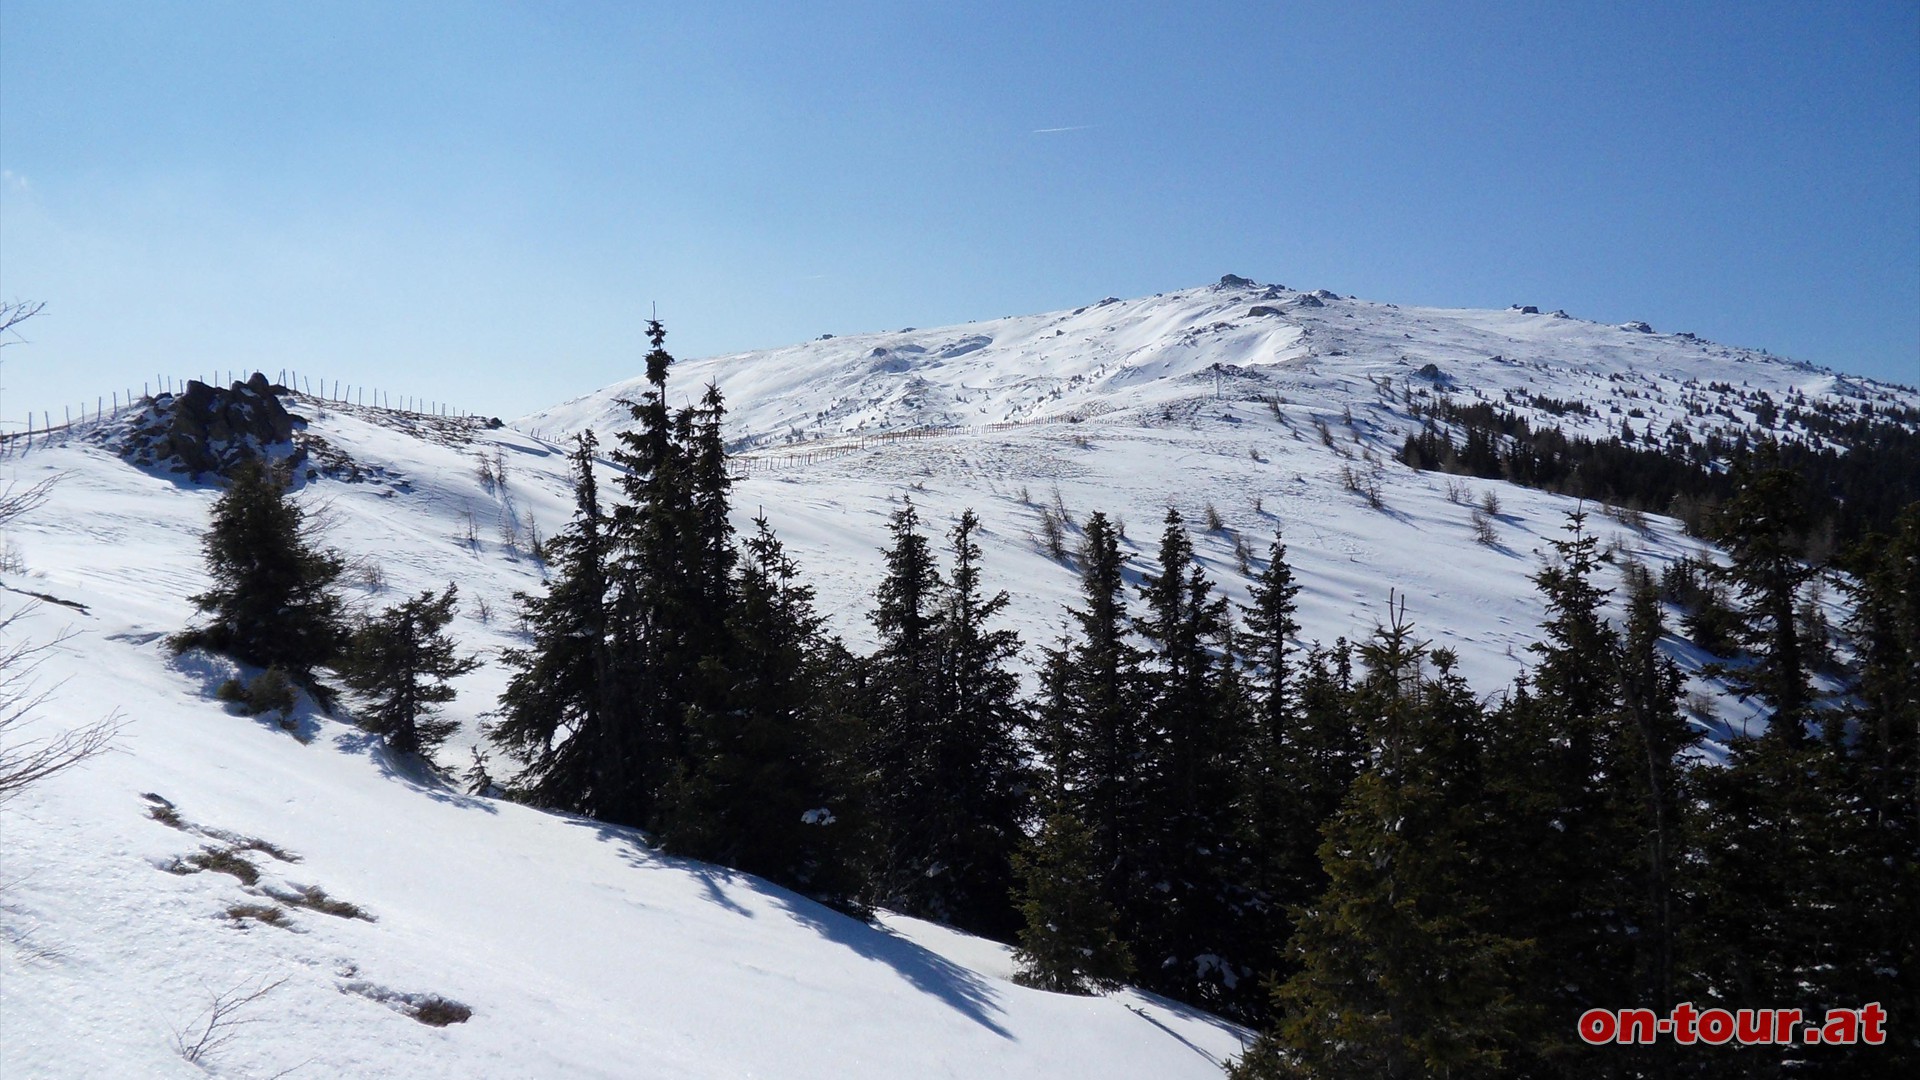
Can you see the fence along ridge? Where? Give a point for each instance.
(110, 407)
(815, 451)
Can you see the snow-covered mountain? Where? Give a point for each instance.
(1264, 408)
(579, 951)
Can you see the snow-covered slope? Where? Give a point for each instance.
(579, 951)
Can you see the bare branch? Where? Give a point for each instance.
(219, 1023)
(25, 763)
(15, 503)
(14, 313)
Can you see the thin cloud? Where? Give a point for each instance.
(1058, 130)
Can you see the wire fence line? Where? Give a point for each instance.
(43, 427)
(802, 454)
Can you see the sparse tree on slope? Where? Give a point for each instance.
(399, 662)
(271, 603)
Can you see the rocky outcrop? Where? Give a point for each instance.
(206, 429)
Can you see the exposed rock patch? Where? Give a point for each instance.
(206, 429)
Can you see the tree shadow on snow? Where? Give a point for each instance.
(965, 991)
(1191, 1015)
(638, 852)
(409, 770)
(211, 670)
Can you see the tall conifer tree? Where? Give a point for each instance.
(902, 700)
(1192, 877)
(557, 714)
(981, 787)
(1093, 734)
(1651, 794)
(1761, 528)
(1068, 944)
(769, 785)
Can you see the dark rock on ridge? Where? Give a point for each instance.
(206, 429)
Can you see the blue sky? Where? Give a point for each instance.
(481, 202)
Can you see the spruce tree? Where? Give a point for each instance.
(769, 786)
(902, 691)
(1068, 944)
(1879, 918)
(1402, 971)
(557, 714)
(1651, 793)
(981, 790)
(271, 602)
(1303, 778)
(1761, 528)
(1096, 701)
(398, 662)
(1790, 878)
(1188, 940)
(1267, 641)
(1304, 753)
(1558, 840)
(1885, 623)
(1779, 849)
(669, 581)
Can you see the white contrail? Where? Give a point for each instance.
(1055, 131)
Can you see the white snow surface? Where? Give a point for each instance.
(583, 953)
